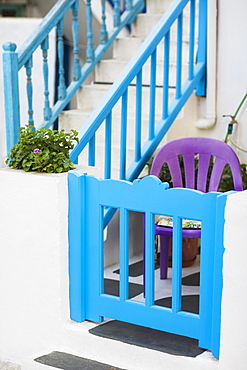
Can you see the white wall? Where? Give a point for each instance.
(234, 301)
(33, 262)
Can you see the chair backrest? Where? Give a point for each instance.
(205, 148)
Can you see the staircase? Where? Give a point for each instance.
(107, 71)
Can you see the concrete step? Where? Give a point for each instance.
(125, 48)
(108, 70)
(89, 97)
(145, 23)
(157, 6)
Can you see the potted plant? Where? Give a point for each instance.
(42, 150)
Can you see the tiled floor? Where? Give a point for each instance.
(162, 287)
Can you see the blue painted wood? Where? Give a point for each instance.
(191, 40)
(29, 66)
(138, 128)
(103, 31)
(179, 203)
(123, 136)
(11, 94)
(91, 151)
(166, 74)
(152, 98)
(116, 13)
(75, 33)
(179, 56)
(47, 108)
(77, 254)
(170, 112)
(108, 141)
(90, 49)
(60, 49)
(128, 4)
(202, 45)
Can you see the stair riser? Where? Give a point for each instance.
(125, 48)
(109, 70)
(145, 23)
(89, 96)
(157, 6)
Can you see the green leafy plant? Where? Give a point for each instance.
(226, 182)
(42, 150)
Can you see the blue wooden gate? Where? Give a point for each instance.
(88, 197)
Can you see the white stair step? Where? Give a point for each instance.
(90, 95)
(108, 70)
(125, 48)
(158, 6)
(144, 24)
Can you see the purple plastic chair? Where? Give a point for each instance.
(188, 147)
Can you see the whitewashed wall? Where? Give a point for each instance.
(34, 298)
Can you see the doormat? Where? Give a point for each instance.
(192, 280)
(148, 338)
(136, 269)
(66, 361)
(112, 287)
(190, 303)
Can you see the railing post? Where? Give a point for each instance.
(202, 44)
(77, 291)
(11, 94)
(90, 49)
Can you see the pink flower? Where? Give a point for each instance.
(36, 150)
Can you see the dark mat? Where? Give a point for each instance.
(148, 338)
(66, 361)
(136, 269)
(190, 303)
(112, 287)
(192, 280)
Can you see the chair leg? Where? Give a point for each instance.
(164, 251)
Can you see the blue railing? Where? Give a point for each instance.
(184, 23)
(88, 299)
(14, 61)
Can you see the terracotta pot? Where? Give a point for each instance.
(189, 251)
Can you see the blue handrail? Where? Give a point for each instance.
(184, 87)
(14, 60)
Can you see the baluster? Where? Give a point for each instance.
(47, 109)
(152, 95)
(29, 66)
(108, 140)
(123, 137)
(128, 4)
(166, 75)
(75, 33)
(116, 13)
(90, 50)
(60, 47)
(179, 55)
(192, 40)
(103, 31)
(138, 116)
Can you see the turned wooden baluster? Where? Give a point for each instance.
(75, 33)
(60, 47)
(103, 31)
(90, 49)
(47, 109)
(116, 13)
(29, 66)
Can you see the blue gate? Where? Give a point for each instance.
(89, 197)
